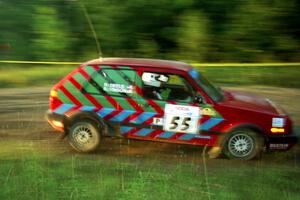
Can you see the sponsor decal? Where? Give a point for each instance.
(208, 111)
(115, 87)
(183, 119)
(158, 121)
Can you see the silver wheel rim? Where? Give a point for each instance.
(83, 135)
(240, 145)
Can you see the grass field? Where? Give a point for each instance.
(12, 75)
(285, 76)
(28, 173)
(26, 75)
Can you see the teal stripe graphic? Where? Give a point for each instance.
(64, 108)
(210, 123)
(166, 135)
(144, 132)
(125, 129)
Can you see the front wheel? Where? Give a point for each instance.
(243, 144)
(84, 136)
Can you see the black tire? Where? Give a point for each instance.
(84, 136)
(243, 144)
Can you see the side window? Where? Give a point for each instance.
(166, 87)
(114, 82)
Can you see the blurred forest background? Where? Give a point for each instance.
(35, 164)
(190, 30)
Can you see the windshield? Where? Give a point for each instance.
(215, 93)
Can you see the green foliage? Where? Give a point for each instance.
(255, 32)
(193, 38)
(219, 30)
(50, 33)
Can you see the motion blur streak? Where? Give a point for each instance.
(205, 31)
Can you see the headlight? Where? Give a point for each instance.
(278, 122)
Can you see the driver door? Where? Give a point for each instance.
(173, 117)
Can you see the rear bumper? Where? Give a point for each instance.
(55, 120)
(282, 142)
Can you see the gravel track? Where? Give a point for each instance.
(22, 124)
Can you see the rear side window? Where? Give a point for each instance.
(113, 82)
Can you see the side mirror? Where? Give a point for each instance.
(199, 99)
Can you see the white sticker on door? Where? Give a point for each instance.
(115, 87)
(182, 119)
(157, 121)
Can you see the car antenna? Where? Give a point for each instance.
(99, 51)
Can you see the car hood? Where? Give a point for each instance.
(246, 101)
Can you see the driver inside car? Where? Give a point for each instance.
(154, 85)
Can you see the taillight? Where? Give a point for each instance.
(54, 102)
(53, 93)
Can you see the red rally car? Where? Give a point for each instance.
(165, 101)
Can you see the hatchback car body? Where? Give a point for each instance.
(166, 101)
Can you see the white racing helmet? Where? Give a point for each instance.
(154, 79)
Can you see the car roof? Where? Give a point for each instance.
(141, 62)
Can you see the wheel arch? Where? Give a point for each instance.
(236, 127)
(252, 129)
(85, 115)
(247, 126)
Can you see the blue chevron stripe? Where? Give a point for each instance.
(125, 129)
(187, 137)
(122, 115)
(87, 108)
(166, 135)
(210, 123)
(144, 132)
(142, 117)
(105, 111)
(63, 108)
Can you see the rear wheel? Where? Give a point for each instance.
(84, 136)
(243, 144)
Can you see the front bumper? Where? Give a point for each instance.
(55, 120)
(282, 142)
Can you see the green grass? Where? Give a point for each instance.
(25, 76)
(286, 76)
(26, 173)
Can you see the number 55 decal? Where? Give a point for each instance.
(184, 123)
(181, 118)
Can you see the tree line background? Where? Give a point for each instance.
(191, 30)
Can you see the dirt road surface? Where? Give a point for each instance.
(22, 124)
